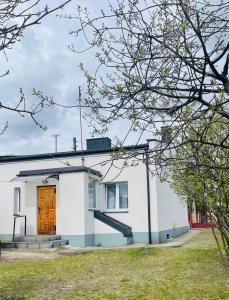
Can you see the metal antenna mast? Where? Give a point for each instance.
(55, 136)
(81, 128)
(74, 148)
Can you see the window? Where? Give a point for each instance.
(17, 200)
(117, 195)
(111, 196)
(91, 193)
(123, 195)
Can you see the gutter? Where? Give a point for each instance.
(148, 196)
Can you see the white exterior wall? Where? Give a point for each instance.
(89, 220)
(6, 209)
(72, 214)
(172, 211)
(71, 211)
(136, 217)
(70, 184)
(168, 213)
(153, 204)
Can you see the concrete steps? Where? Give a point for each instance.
(37, 238)
(36, 242)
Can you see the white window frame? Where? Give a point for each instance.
(17, 201)
(94, 200)
(117, 208)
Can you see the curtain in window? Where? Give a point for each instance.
(111, 196)
(91, 193)
(17, 200)
(123, 195)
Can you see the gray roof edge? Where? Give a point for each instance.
(29, 157)
(57, 171)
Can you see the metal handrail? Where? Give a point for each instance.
(114, 223)
(15, 218)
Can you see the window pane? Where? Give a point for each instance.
(111, 196)
(123, 195)
(17, 200)
(91, 193)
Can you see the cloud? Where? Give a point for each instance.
(42, 61)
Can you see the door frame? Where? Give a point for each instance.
(37, 214)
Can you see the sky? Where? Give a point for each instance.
(43, 61)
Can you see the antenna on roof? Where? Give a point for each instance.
(81, 128)
(74, 148)
(56, 136)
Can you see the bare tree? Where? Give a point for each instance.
(159, 62)
(15, 17)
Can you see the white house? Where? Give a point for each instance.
(89, 202)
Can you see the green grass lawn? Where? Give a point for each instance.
(190, 272)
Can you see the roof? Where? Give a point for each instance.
(68, 154)
(56, 171)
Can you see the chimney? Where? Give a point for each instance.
(97, 144)
(166, 134)
(74, 148)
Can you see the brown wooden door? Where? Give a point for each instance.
(47, 210)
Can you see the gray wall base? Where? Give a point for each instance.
(143, 237)
(80, 240)
(112, 239)
(171, 233)
(158, 237)
(117, 239)
(6, 237)
(105, 240)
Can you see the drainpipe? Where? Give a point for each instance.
(148, 195)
